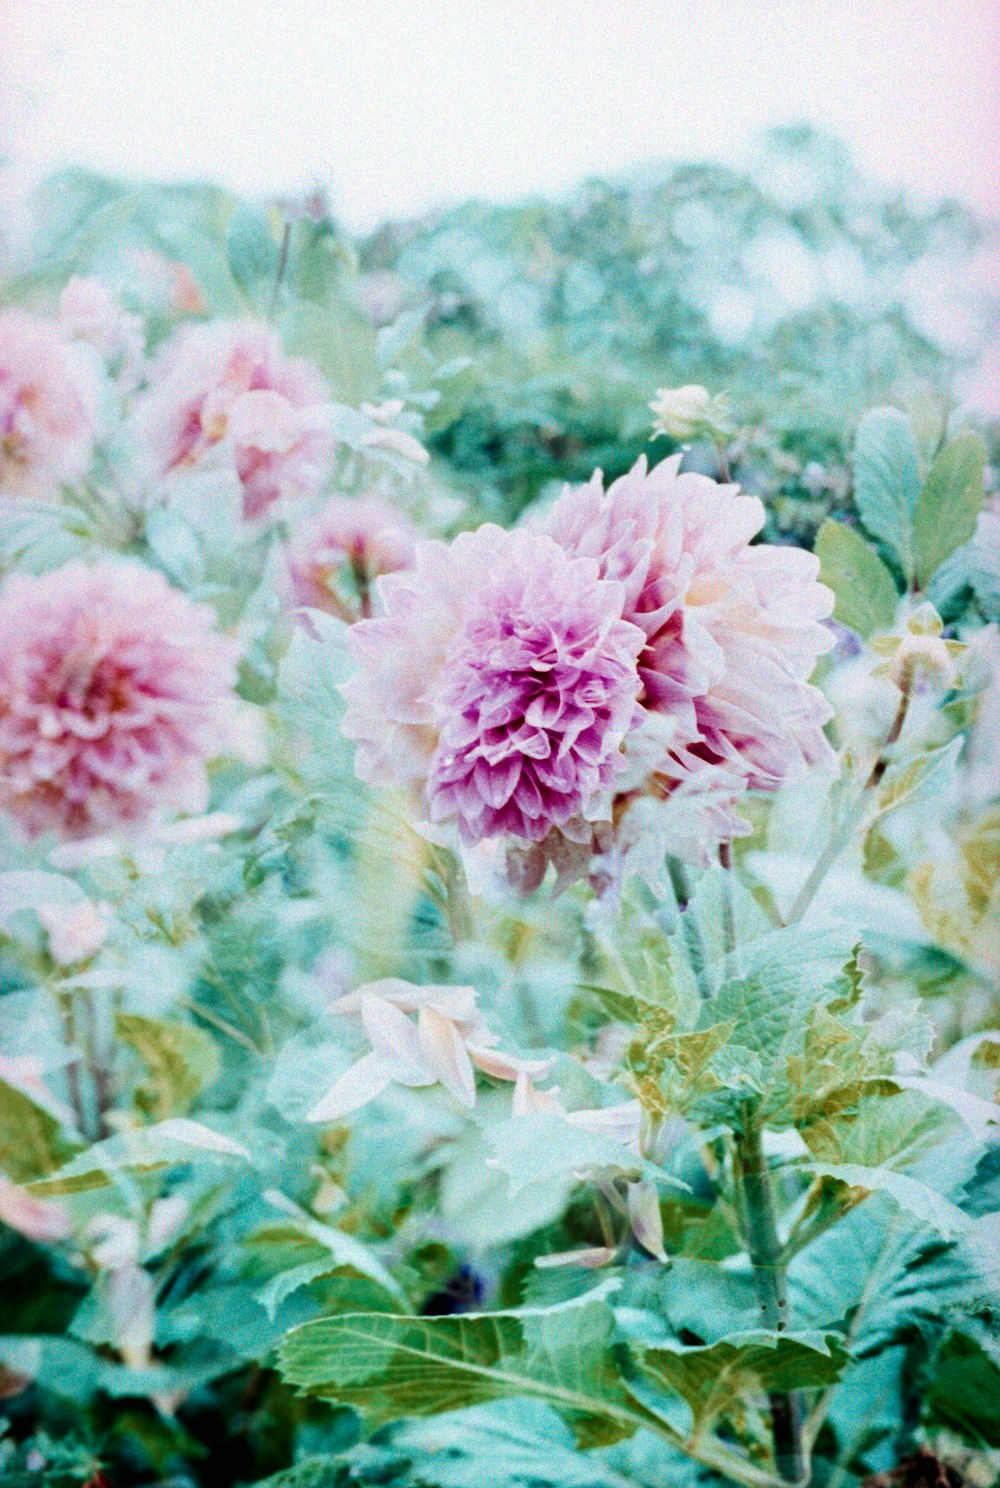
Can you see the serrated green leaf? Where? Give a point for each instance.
(32, 1142)
(887, 480)
(944, 516)
(715, 1378)
(386, 1367)
(909, 1193)
(867, 598)
(182, 1061)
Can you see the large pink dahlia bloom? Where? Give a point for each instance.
(114, 691)
(501, 682)
(229, 390)
(732, 631)
(48, 408)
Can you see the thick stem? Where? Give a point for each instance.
(764, 1246)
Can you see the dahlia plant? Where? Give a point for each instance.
(478, 1001)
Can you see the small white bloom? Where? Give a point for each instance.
(683, 413)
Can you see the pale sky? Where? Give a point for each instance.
(403, 104)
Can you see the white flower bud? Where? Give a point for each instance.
(684, 412)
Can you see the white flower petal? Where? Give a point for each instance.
(646, 1219)
(395, 1041)
(355, 1088)
(445, 1053)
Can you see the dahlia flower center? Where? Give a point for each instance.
(534, 716)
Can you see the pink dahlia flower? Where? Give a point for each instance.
(114, 691)
(732, 631)
(501, 681)
(48, 408)
(229, 388)
(337, 557)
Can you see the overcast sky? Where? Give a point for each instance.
(399, 106)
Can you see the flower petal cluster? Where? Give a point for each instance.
(49, 393)
(337, 556)
(732, 633)
(228, 390)
(419, 1036)
(115, 690)
(503, 678)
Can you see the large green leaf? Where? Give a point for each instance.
(887, 480)
(387, 1367)
(945, 513)
(715, 1378)
(865, 590)
(964, 1394)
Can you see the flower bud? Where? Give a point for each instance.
(920, 650)
(684, 413)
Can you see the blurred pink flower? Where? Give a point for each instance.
(229, 388)
(336, 558)
(89, 312)
(48, 408)
(114, 691)
(502, 679)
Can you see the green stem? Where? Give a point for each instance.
(841, 831)
(286, 237)
(764, 1246)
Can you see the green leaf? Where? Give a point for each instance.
(145, 1148)
(866, 593)
(539, 1147)
(965, 1391)
(904, 778)
(252, 251)
(880, 1272)
(181, 1059)
(387, 1367)
(909, 1193)
(887, 480)
(715, 1378)
(340, 340)
(32, 1142)
(951, 498)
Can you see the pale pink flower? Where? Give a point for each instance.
(114, 692)
(48, 408)
(446, 1044)
(38, 1219)
(732, 632)
(88, 312)
(336, 558)
(501, 682)
(228, 388)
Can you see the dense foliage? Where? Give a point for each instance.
(377, 1108)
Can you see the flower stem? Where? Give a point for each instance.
(764, 1247)
(286, 237)
(840, 832)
